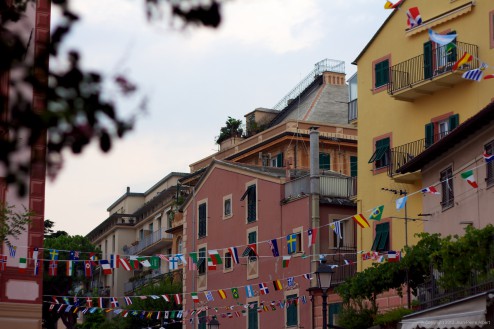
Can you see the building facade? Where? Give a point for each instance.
(21, 293)
(408, 78)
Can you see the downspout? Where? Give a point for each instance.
(314, 193)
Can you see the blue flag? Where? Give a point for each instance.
(273, 244)
(291, 241)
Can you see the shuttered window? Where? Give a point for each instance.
(252, 315)
(381, 241)
(381, 73)
(324, 161)
(489, 177)
(381, 154)
(202, 220)
(291, 312)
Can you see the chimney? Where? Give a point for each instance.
(314, 195)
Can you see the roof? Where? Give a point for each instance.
(470, 127)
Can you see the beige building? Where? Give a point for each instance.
(137, 226)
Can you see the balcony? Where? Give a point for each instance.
(400, 155)
(151, 243)
(423, 75)
(352, 111)
(155, 276)
(331, 185)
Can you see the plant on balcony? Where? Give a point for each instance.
(390, 319)
(232, 128)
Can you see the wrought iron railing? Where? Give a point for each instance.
(149, 240)
(431, 294)
(421, 68)
(326, 65)
(400, 155)
(352, 111)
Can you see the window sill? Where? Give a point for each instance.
(225, 217)
(448, 206)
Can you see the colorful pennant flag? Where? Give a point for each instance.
(249, 292)
(74, 255)
(291, 240)
(36, 266)
(35, 254)
(134, 262)
(178, 299)
(211, 265)
(286, 261)
(336, 227)
(361, 220)
(441, 39)
(53, 268)
(251, 248)
(114, 261)
(128, 300)
(475, 74)
(222, 294)
(235, 293)
(390, 5)
(430, 189)
(233, 251)
(144, 261)
(312, 235)
(308, 276)
(489, 76)
(273, 244)
(377, 213)
(488, 157)
(215, 257)
(413, 17)
(22, 265)
(401, 202)
(394, 256)
(12, 251)
(88, 270)
(470, 178)
(173, 263)
(263, 289)
(463, 60)
(114, 302)
(125, 264)
(69, 268)
(156, 262)
(105, 266)
(194, 296)
(209, 296)
(277, 285)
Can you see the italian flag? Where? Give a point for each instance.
(22, 265)
(468, 176)
(194, 296)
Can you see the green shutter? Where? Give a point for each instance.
(252, 237)
(429, 134)
(451, 50)
(353, 166)
(384, 229)
(334, 309)
(454, 121)
(202, 320)
(279, 160)
(382, 146)
(252, 321)
(324, 161)
(381, 73)
(428, 69)
(291, 312)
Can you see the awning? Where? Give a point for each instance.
(430, 23)
(466, 313)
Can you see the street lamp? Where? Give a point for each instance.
(324, 274)
(214, 324)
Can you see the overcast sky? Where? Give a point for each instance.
(195, 79)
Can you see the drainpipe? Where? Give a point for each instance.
(314, 195)
(314, 192)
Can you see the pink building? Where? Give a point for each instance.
(240, 205)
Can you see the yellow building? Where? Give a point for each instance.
(409, 96)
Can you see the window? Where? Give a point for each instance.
(141, 234)
(227, 207)
(380, 157)
(333, 312)
(353, 166)
(489, 176)
(250, 194)
(227, 264)
(324, 161)
(252, 316)
(381, 241)
(202, 320)
(252, 239)
(491, 28)
(381, 73)
(179, 245)
(291, 311)
(201, 262)
(202, 220)
(151, 227)
(448, 197)
(439, 128)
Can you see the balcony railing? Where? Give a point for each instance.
(338, 186)
(338, 256)
(407, 74)
(400, 155)
(352, 111)
(154, 277)
(431, 294)
(149, 240)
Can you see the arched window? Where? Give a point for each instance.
(179, 245)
